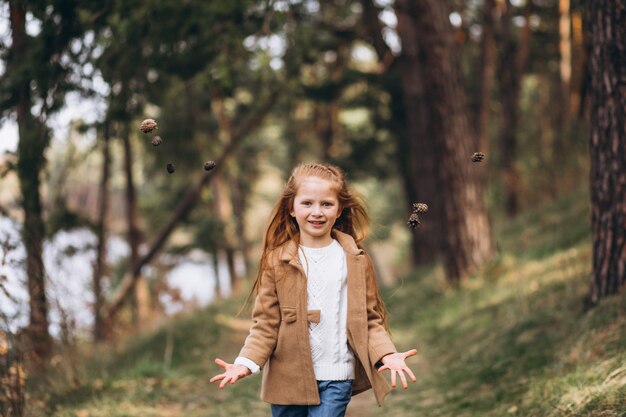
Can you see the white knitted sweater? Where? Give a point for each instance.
(327, 279)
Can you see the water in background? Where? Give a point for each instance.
(69, 258)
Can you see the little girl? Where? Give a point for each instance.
(319, 325)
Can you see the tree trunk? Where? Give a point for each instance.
(141, 302)
(608, 146)
(417, 155)
(224, 211)
(33, 139)
(513, 62)
(238, 205)
(467, 241)
(485, 73)
(565, 67)
(99, 330)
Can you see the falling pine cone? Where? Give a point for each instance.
(420, 208)
(414, 221)
(209, 165)
(156, 141)
(148, 125)
(478, 157)
(170, 168)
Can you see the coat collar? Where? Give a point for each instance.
(289, 249)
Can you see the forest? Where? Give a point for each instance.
(143, 145)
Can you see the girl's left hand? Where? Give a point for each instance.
(395, 363)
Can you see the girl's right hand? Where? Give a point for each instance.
(232, 374)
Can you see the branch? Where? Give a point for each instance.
(189, 200)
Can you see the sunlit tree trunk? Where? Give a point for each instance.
(33, 139)
(565, 64)
(99, 330)
(467, 240)
(608, 146)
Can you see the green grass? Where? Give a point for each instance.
(515, 340)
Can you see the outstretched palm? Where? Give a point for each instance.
(232, 373)
(395, 363)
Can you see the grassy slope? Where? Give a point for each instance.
(514, 341)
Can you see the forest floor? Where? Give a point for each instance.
(515, 340)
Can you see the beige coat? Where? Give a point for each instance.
(279, 337)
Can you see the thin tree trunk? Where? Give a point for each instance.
(513, 63)
(565, 64)
(100, 331)
(224, 211)
(485, 74)
(467, 240)
(579, 57)
(141, 302)
(33, 141)
(238, 212)
(608, 146)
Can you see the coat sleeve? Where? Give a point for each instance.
(379, 341)
(263, 334)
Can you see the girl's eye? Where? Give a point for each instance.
(328, 204)
(306, 203)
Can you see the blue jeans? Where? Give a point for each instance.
(334, 399)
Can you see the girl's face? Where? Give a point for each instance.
(315, 208)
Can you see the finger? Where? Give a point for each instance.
(408, 371)
(403, 379)
(235, 378)
(382, 368)
(393, 379)
(225, 381)
(221, 363)
(217, 378)
(410, 353)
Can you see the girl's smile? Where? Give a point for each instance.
(315, 208)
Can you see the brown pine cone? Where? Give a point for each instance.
(209, 165)
(170, 168)
(414, 221)
(156, 141)
(478, 157)
(148, 125)
(420, 208)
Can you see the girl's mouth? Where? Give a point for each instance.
(316, 223)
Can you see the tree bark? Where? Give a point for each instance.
(417, 157)
(513, 62)
(608, 146)
(467, 240)
(33, 139)
(99, 330)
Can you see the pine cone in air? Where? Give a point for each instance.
(209, 165)
(420, 208)
(478, 157)
(170, 168)
(156, 141)
(414, 221)
(148, 125)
